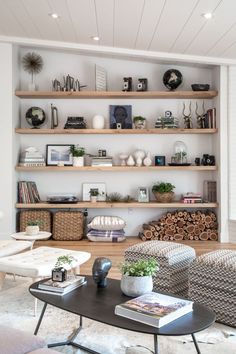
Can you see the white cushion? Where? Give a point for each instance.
(107, 223)
(10, 247)
(39, 262)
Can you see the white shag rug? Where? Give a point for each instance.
(17, 307)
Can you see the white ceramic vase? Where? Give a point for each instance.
(130, 161)
(136, 286)
(32, 230)
(98, 122)
(93, 199)
(78, 161)
(147, 161)
(139, 155)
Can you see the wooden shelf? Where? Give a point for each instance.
(114, 131)
(117, 94)
(103, 205)
(116, 168)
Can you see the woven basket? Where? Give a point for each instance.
(68, 225)
(164, 197)
(31, 215)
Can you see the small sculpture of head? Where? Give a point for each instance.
(101, 267)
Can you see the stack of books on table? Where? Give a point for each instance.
(49, 286)
(101, 161)
(192, 198)
(167, 122)
(154, 309)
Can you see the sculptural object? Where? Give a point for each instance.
(101, 267)
(187, 117)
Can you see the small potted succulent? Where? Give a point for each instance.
(32, 227)
(137, 276)
(163, 192)
(139, 122)
(94, 193)
(78, 155)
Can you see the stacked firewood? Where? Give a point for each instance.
(182, 225)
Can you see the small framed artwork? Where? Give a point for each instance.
(121, 117)
(143, 195)
(98, 187)
(160, 160)
(59, 155)
(100, 78)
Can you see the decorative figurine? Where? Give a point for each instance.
(101, 267)
(187, 118)
(200, 117)
(127, 84)
(172, 79)
(142, 85)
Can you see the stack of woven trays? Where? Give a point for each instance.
(173, 259)
(106, 229)
(212, 281)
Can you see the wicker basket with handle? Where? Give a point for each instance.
(68, 225)
(44, 216)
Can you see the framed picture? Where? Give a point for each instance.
(121, 117)
(160, 160)
(58, 155)
(99, 187)
(100, 78)
(143, 195)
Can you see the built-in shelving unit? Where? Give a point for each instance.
(117, 168)
(114, 131)
(102, 205)
(117, 94)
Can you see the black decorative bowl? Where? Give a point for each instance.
(200, 87)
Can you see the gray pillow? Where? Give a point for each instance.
(15, 341)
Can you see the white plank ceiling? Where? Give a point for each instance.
(172, 26)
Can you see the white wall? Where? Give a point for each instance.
(58, 63)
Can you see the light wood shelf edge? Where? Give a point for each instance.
(117, 94)
(115, 131)
(104, 205)
(116, 168)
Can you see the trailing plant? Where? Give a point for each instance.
(163, 187)
(34, 223)
(77, 151)
(141, 268)
(114, 197)
(138, 118)
(63, 260)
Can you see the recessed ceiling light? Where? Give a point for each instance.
(54, 15)
(207, 15)
(95, 38)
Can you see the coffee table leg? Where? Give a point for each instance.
(155, 344)
(40, 319)
(195, 343)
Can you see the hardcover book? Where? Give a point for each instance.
(154, 309)
(61, 287)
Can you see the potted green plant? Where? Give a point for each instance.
(139, 122)
(94, 193)
(137, 276)
(32, 227)
(78, 155)
(163, 192)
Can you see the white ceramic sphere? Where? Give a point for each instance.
(98, 122)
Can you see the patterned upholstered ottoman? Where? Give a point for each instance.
(174, 260)
(212, 281)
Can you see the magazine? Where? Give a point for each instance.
(61, 287)
(154, 309)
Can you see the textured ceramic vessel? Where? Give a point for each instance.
(32, 230)
(98, 122)
(78, 161)
(136, 286)
(130, 161)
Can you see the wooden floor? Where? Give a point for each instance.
(115, 251)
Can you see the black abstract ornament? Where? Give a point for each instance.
(35, 116)
(172, 79)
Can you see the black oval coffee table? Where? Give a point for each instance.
(98, 304)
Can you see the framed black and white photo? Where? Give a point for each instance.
(121, 117)
(98, 187)
(160, 160)
(143, 195)
(58, 155)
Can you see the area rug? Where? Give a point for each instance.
(17, 310)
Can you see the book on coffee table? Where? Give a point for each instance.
(60, 288)
(154, 309)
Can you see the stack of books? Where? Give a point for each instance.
(48, 286)
(31, 157)
(167, 122)
(210, 118)
(192, 198)
(209, 191)
(101, 161)
(154, 309)
(28, 192)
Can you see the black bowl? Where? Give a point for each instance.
(200, 87)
